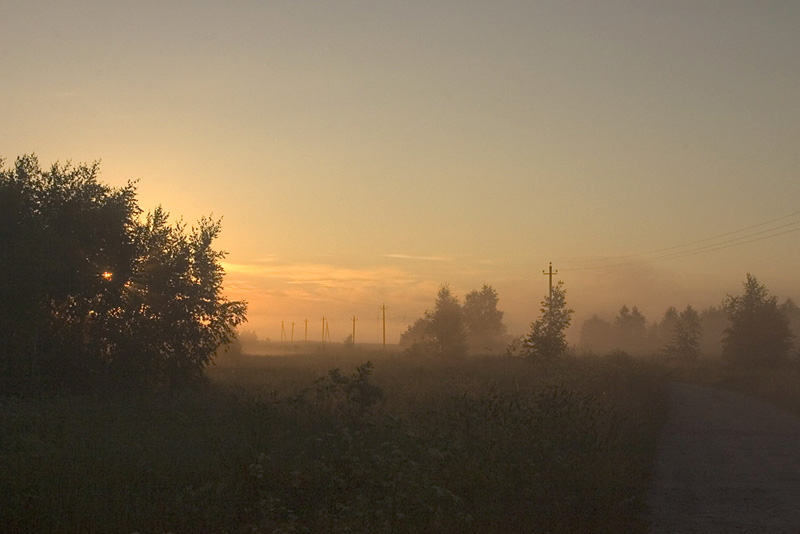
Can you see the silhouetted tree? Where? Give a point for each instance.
(175, 311)
(484, 322)
(759, 332)
(792, 313)
(597, 336)
(60, 231)
(88, 290)
(687, 330)
(631, 328)
(547, 340)
(447, 331)
(666, 328)
(714, 321)
(417, 333)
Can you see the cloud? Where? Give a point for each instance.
(252, 269)
(420, 258)
(319, 281)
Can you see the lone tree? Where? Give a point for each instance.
(547, 340)
(758, 333)
(687, 330)
(89, 291)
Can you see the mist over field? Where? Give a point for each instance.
(373, 266)
(364, 154)
(125, 372)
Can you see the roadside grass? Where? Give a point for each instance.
(287, 444)
(776, 384)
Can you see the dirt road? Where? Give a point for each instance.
(726, 463)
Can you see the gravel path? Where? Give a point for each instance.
(726, 463)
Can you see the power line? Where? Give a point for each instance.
(793, 226)
(694, 252)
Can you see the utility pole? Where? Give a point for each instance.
(550, 273)
(292, 331)
(354, 329)
(328, 330)
(384, 307)
(283, 333)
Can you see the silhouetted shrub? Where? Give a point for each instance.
(90, 294)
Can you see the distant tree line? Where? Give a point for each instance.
(752, 328)
(92, 292)
(452, 329)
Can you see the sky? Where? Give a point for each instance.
(363, 153)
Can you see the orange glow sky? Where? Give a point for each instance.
(364, 152)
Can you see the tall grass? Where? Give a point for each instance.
(776, 383)
(288, 445)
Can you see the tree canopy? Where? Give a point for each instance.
(547, 340)
(484, 322)
(758, 333)
(631, 328)
(447, 329)
(450, 329)
(90, 291)
(686, 331)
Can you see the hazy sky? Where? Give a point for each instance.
(364, 152)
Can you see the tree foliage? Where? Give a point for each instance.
(450, 329)
(447, 330)
(714, 322)
(687, 330)
(665, 329)
(418, 333)
(758, 332)
(631, 328)
(597, 336)
(547, 340)
(90, 291)
(484, 322)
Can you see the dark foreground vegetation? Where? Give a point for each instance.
(290, 445)
(111, 420)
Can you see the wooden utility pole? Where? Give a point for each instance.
(354, 329)
(292, 331)
(384, 307)
(550, 273)
(283, 332)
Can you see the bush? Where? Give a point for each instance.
(90, 294)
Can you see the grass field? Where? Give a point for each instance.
(286, 444)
